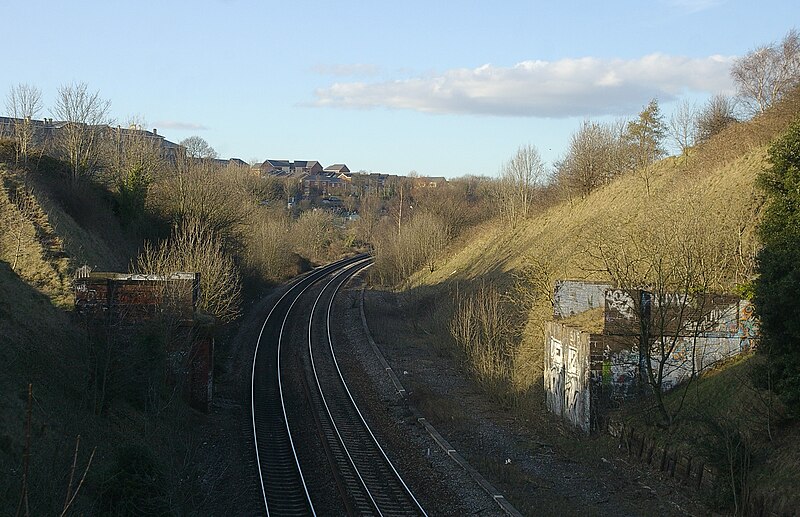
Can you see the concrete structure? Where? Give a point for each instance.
(572, 297)
(593, 360)
(566, 374)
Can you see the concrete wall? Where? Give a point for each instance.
(588, 374)
(567, 374)
(572, 297)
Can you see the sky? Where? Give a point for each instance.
(443, 88)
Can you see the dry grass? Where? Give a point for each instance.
(41, 241)
(724, 420)
(27, 241)
(562, 241)
(713, 195)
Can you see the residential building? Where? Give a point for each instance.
(430, 182)
(337, 168)
(297, 168)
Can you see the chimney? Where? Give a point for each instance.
(155, 131)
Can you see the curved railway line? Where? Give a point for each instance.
(366, 481)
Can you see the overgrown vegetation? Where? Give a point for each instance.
(478, 255)
(616, 210)
(114, 200)
(779, 271)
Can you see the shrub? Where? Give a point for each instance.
(778, 283)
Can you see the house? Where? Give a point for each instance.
(302, 168)
(324, 183)
(46, 131)
(276, 167)
(238, 162)
(297, 168)
(337, 168)
(373, 182)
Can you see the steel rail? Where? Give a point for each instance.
(322, 392)
(307, 280)
(349, 271)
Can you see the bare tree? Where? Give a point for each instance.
(593, 158)
(23, 103)
(83, 114)
(453, 203)
(197, 147)
(481, 327)
(683, 127)
(765, 74)
(313, 232)
(669, 266)
(369, 214)
(519, 178)
(194, 247)
(135, 158)
(270, 244)
(430, 235)
(717, 114)
(199, 189)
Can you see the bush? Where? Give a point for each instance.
(8, 150)
(193, 247)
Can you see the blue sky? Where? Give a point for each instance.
(443, 88)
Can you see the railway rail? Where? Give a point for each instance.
(367, 482)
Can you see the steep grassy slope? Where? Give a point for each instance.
(46, 231)
(712, 194)
(711, 197)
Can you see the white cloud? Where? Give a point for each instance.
(343, 70)
(174, 124)
(567, 87)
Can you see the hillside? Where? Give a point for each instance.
(49, 230)
(708, 201)
(112, 383)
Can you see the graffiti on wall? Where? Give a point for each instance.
(556, 375)
(747, 329)
(621, 302)
(624, 365)
(576, 296)
(711, 330)
(572, 387)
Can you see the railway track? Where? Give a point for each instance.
(366, 481)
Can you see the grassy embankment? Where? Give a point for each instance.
(109, 388)
(49, 229)
(711, 194)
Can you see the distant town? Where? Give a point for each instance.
(318, 182)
